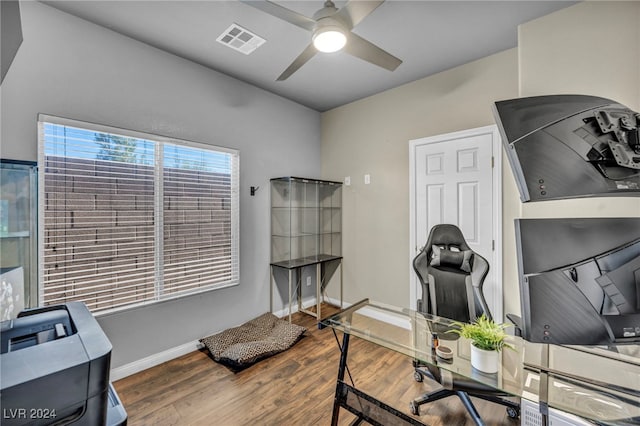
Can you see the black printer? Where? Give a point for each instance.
(54, 369)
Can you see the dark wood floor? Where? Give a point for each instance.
(295, 387)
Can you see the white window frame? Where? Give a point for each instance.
(159, 141)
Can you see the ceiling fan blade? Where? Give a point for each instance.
(302, 59)
(283, 13)
(355, 11)
(363, 49)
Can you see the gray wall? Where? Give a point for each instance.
(71, 68)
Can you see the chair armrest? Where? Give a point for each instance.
(517, 322)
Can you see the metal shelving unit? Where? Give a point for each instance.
(306, 231)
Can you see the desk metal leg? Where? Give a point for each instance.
(365, 407)
(341, 370)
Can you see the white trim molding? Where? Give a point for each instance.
(153, 360)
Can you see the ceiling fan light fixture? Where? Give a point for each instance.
(329, 38)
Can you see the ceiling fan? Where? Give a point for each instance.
(331, 28)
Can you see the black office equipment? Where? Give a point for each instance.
(567, 146)
(579, 280)
(452, 277)
(54, 369)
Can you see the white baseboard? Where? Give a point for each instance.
(398, 321)
(308, 303)
(336, 302)
(153, 360)
(381, 316)
(164, 356)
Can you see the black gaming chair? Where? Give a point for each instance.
(452, 275)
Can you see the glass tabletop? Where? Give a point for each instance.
(597, 383)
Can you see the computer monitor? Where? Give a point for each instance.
(579, 280)
(567, 146)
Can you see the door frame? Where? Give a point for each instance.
(496, 260)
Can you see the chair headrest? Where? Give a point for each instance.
(446, 235)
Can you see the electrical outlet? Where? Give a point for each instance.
(308, 281)
(367, 179)
(347, 180)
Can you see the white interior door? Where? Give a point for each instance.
(455, 179)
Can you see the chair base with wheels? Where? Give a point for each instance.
(512, 407)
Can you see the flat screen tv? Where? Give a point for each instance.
(579, 280)
(568, 146)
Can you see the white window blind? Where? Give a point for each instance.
(128, 218)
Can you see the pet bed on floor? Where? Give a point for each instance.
(262, 337)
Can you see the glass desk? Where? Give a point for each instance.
(601, 384)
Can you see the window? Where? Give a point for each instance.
(128, 218)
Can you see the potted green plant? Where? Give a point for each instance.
(488, 338)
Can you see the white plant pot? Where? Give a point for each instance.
(485, 361)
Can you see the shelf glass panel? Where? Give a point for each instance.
(18, 242)
(306, 218)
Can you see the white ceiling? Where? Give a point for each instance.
(429, 36)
